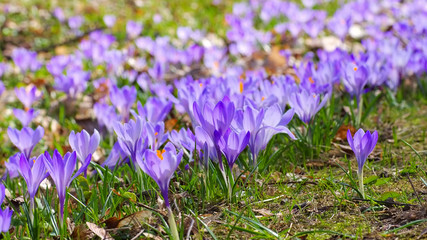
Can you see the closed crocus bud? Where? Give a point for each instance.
(61, 170)
(83, 143)
(362, 145)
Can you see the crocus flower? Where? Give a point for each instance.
(184, 139)
(133, 29)
(106, 115)
(123, 99)
(156, 135)
(109, 20)
(2, 88)
(75, 22)
(355, 79)
(5, 219)
(84, 144)
(73, 83)
(26, 139)
(12, 165)
(25, 117)
(262, 125)
(33, 175)
(6, 214)
(232, 144)
(61, 170)
(306, 104)
(59, 14)
(25, 60)
(161, 165)
(155, 109)
(128, 136)
(114, 157)
(362, 145)
(28, 95)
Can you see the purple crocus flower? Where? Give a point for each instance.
(61, 170)
(133, 29)
(232, 144)
(26, 139)
(155, 109)
(129, 136)
(57, 64)
(25, 60)
(4, 67)
(25, 117)
(306, 104)
(184, 139)
(28, 95)
(6, 214)
(2, 88)
(73, 83)
(213, 122)
(114, 157)
(59, 14)
(33, 175)
(12, 165)
(362, 145)
(355, 79)
(156, 134)
(84, 144)
(106, 115)
(109, 20)
(160, 165)
(5, 219)
(123, 99)
(75, 22)
(262, 125)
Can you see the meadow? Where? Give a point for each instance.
(213, 119)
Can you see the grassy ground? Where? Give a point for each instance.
(300, 190)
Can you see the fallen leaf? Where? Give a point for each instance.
(171, 123)
(263, 212)
(82, 233)
(342, 132)
(100, 232)
(135, 218)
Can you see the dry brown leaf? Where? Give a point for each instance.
(135, 218)
(342, 132)
(100, 232)
(82, 233)
(170, 124)
(263, 212)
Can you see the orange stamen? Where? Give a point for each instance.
(263, 98)
(160, 154)
(201, 84)
(241, 87)
(355, 68)
(156, 133)
(311, 80)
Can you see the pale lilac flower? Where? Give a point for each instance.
(25, 117)
(26, 139)
(109, 20)
(28, 95)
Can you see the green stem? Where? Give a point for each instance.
(359, 112)
(361, 187)
(172, 224)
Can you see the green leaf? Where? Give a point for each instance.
(370, 180)
(382, 181)
(387, 195)
(130, 196)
